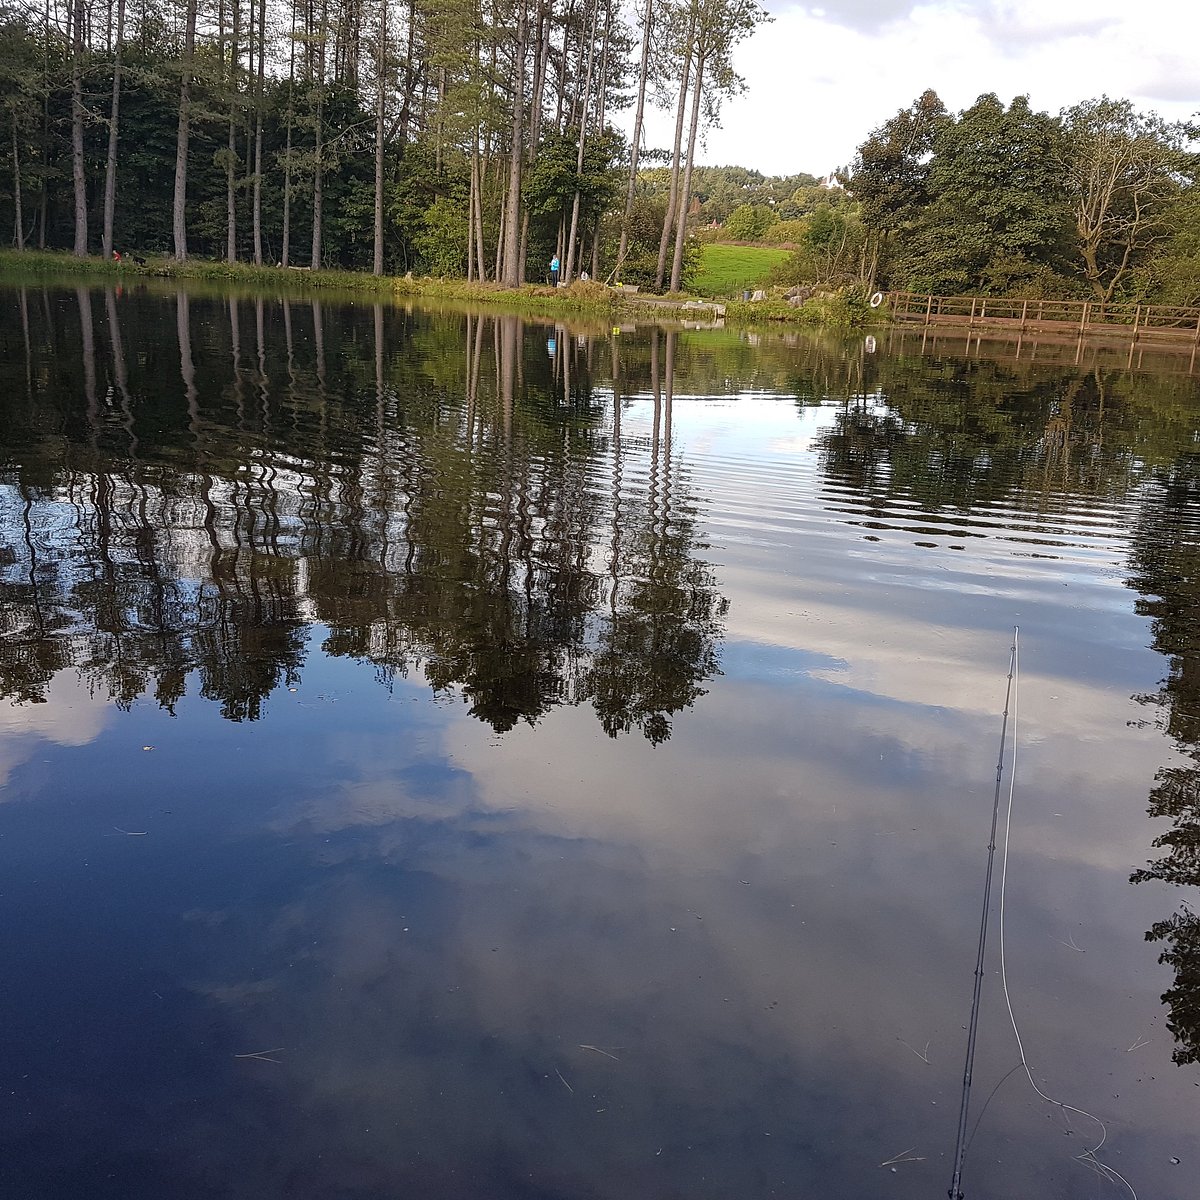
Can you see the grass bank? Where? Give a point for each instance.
(840, 310)
(729, 270)
(582, 299)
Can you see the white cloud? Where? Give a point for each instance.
(817, 85)
(70, 716)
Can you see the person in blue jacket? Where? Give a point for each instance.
(554, 271)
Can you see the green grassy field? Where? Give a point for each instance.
(727, 270)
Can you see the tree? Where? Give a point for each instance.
(749, 222)
(717, 26)
(78, 166)
(18, 85)
(179, 204)
(1123, 171)
(636, 142)
(997, 216)
(110, 165)
(890, 174)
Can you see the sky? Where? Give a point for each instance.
(820, 77)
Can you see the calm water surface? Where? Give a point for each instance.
(449, 756)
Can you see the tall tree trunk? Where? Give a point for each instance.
(78, 178)
(541, 58)
(231, 148)
(569, 272)
(673, 197)
(380, 97)
(477, 168)
(685, 193)
(318, 167)
(256, 215)
(285, 248)
(18, 214)
(178, 215)
(635, 146)
(44, 153)
(512, 210)
(110, 165)
(601, 97)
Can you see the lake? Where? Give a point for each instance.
(450, 755)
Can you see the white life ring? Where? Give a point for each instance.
(877, 300)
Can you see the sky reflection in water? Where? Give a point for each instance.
(569, 802)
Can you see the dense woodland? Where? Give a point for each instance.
(477, 138)
(457, 137)
(1100, 201)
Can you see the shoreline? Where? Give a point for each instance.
(581, 298)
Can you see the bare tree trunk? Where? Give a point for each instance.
(44, 190)
(380, 83)
(78, 178)
(19, 217)
(110, 165)
(231, 149)
(673, 198)
(318, 172)
(287, 152)
(635, 146)
(601, 98)
(471, 197)
(541, 58)
(178, 215)
(512, 211)
(686, 190)
(256, 216)
(569, 271)
(479, 239)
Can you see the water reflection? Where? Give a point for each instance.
(436, 493)
(350, 941)
(1165, 562)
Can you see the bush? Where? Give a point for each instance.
(786, 231)
(749, 222)
(442, 242)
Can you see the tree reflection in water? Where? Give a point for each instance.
(968, 436)
(438, 492)
(1166, 570)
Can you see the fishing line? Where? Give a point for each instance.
(960, 1148)
(1088, 1156)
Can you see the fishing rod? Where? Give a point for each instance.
(960, 1150)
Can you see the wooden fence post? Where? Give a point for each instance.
(1024, 311)
(1083, 319)
(929, 310)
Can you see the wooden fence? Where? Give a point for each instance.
(1081, 318)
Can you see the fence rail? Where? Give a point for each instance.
(1086, 318)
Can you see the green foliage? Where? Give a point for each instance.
(442, 241)
(889, 177)
(841, 310)
(831, 250)
(749, 222)
(997, 210)
(645, 227)
(720, 190)
(551, 181)
(1008, 201)
(783, 232)
(1124, 172)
